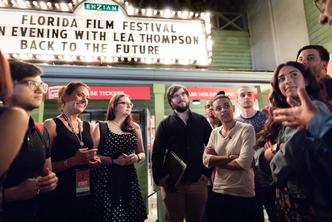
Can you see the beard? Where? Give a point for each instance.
(181, 109)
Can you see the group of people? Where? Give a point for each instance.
(255, 161)
(69, 170)
(281, 161)
(66, 169)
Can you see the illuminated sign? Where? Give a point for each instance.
(102, 31)
(101, 7)
(106, 92)
(209, 93)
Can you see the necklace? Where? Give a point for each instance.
(79, 138)
(117, 124)
(226, 134)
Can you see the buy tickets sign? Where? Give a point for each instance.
(106, 92)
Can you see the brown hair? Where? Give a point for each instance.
(6, 83)
(172, 90)
(269, 132)
(277, 99)
(68, 90)
(20, 70)
(220, 96)
(127, 125)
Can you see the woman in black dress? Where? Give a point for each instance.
(116, 193)
(72, 157)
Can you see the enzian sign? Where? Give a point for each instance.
(101, 7)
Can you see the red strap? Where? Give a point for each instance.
(40, 128)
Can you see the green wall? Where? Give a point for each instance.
(318, 34)
(231, 50)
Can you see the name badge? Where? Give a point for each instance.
(82, 182)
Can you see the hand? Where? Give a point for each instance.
(210, 150)
(96, 162)
(125, 159)
(48, 181)
(268, 145)
(28, 189)
(84, 156)
(163, 182)
(204, 178)
(232, 156)
(297, 116)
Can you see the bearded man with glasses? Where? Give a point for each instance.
(31, 172)
(184, 133)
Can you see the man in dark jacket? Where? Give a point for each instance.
(185, 133)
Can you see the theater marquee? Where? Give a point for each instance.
(101, 31)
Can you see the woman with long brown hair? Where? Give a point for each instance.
(116, 192)
(286, 157)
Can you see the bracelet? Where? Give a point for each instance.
(111, 161)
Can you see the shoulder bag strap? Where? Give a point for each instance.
(103, 130)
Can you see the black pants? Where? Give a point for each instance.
(266, 196)
(221, 207)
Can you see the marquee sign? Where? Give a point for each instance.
(103, 31)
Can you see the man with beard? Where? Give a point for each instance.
(316, 58)
(231, 150)
(185, 133)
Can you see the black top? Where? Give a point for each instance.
(187, 141)
(65, 146)
(29, 163)
(2, 177)
(30, 160)
(62, 203)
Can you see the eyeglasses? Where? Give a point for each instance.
(225, 106)
(33, 85)
(320, 4)
(126, 103)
